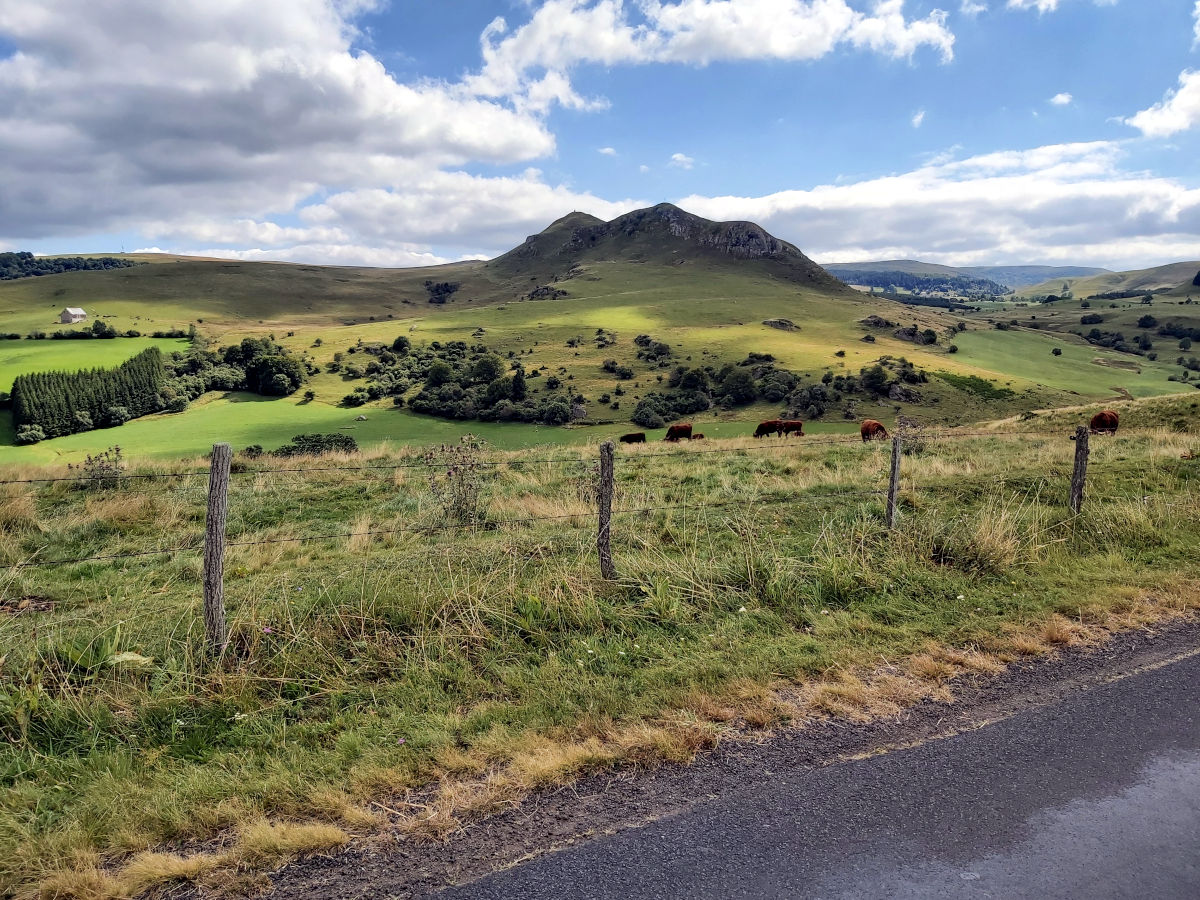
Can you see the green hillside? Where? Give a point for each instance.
(1177, 277)
(706, 289)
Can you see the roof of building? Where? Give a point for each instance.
(74, 311)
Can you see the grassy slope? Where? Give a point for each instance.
(21, 357)
(1172, 275)
(496, 661)
(707, 311)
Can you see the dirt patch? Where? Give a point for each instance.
(1123, 364)
(400, 866)
(30, 603)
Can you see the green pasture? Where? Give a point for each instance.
(22, 357)
(708, 313)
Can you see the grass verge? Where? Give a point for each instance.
(416, 681)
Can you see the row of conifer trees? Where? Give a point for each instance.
(62, 403)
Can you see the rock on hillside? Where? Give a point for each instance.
(663, 234)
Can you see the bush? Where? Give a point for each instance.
(316, 444)
(953, 348)
(114, 416)
(30, 434)
(1057, 351)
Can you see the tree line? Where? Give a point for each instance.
(23, 264)
(52, 404)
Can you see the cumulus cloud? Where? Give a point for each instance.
(1067, 203)
(1178, 111)
(1063, 99)
(564, 34)
(918, 118)
(971, 8)
(607, 151)
(681, 161)
(224, 109)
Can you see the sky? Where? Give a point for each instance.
(404, 132)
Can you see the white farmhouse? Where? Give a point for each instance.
(71, 315)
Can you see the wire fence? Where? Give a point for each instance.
(278, 477)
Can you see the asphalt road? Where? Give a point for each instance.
(1094, 797)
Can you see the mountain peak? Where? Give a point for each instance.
(662, 234)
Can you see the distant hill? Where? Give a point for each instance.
(180, 289)
(663, 235)
(1022, 276)
(913, 275)
(1176, 277)
(1006, 276)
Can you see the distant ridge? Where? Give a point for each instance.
(1008, 276)
(662, 234)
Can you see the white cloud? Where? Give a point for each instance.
(643, 169)
(1068, 203)
(1062, 99)
(607, 151)
(1178, 111)
(119, 113)
(681, 161)
(918, 118)
(1196, 26)
(1044, 6)
(971, 8)
(564, 34)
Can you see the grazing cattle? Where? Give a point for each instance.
(872, 431)
(792, 426)
(771, 426)
(698, 436)
(1104, 422)
(681, 432)
(635, 437)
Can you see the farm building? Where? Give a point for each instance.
(71, 315)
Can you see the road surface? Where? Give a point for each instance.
(1095, 796)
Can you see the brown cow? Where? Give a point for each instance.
(872, 431)
(681, 432)
(634, 437)
(771, 426)
(1104, 422)
(793, 426)
(698, 436)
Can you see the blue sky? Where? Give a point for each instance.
(406, 133)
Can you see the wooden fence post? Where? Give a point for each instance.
(1079, 476)
(604, 533)
(893, 481)
(215, 633)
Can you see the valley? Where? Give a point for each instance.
(705, 289)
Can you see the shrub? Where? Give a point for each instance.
(316, 444)
(30, 434)
(456, 479)
(1057, 351)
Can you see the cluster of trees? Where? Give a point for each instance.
(100, 329)
(24, 264)
(258, 365)
(1115, 340)
(441, 291)
(458, 381)
(51, 404)
(963, 285)
(693, 390)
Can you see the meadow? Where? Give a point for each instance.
(393, 671)
(709, 314)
